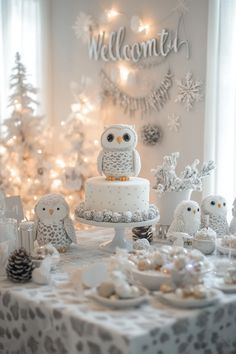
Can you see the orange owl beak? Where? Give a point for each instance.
(119, 139)
(219, 205)
(51, 211)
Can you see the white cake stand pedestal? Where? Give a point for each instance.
(119, 240)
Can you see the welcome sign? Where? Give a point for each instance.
(116, 49)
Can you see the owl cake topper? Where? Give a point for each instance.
(53, 224)
(118, 159)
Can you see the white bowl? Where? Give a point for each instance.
(205, 246)
(151, 279)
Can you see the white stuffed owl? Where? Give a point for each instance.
(232, 227)
(53, 223)
(214, 214)
(119, 159)
(186, 218)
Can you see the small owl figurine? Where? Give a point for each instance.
(119, 160)
(232, 227)
(214, 214)
(186, 218)
(53, 223)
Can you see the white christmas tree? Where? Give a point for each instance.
(24, 159)
(28, 166)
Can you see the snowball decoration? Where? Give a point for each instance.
(232, 227)
(141, 244)
(190, 178)
(119, 159)
(189, 91)
(151, 134)
(110, 216)
(214, 214)
(53, 223)
(186, 218)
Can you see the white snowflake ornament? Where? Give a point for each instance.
(181, 6)
(83, 26)
(174, 122)
(189, 91)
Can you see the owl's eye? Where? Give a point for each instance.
(189, 209)
(126, 137)
(58, 208)
(224, 204)
(44, 209)
(213, 203)
(110, 137)
(198, 209)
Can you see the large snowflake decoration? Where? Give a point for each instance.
(182, 6)
(83, 26)
(189, 91)
(174, 122)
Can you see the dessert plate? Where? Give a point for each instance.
(172, 299)
(226, 288)
(225, 250)
(120, 303)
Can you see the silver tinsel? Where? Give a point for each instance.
(151, 134)
(154, 101)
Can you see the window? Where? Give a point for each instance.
(220, 128)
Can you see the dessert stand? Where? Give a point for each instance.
(119, 240)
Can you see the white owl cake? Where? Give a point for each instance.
(118, 195)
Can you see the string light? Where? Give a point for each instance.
(124, 73)
(60, 163)
(111, 13)
(144, 28)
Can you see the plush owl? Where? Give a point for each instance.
(214, 214)
(53, 223)
(232, 227)
(118, 159)
(186, 218)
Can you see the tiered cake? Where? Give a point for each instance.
(118, 196)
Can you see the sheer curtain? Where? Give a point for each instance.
(23, 29)
(220, 120)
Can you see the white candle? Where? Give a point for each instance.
(26, 235)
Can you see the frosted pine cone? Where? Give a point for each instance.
(142, 232)
(20, 266)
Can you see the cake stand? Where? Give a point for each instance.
(119, 240)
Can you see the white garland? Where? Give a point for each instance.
(190, 178)
(154, 101)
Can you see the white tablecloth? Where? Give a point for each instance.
(43, 319)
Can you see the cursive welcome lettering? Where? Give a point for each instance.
(115, 49)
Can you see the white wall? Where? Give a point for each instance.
(70, 61)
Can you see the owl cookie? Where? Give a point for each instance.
(186, 218)
(214, 214)
(53, 224)
(118, 159)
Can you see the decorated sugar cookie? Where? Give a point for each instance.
(118, 159)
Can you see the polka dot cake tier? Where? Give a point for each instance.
(118, 196)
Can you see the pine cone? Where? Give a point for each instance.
(20, 266)
(142, 232)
